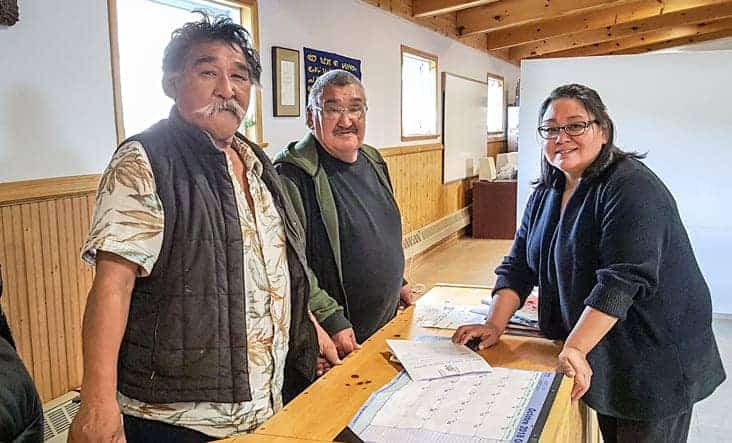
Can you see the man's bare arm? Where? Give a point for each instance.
(105, 320)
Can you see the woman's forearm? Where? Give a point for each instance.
(504, 305)
(592, 326)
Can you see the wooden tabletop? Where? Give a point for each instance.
(263, 438)
(328, 405)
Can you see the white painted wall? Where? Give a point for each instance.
(56, 108)
(359, 30)
(675, 106)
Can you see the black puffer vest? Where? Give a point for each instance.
(186, 333)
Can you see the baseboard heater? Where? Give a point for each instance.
(428, 236)
(57, 416)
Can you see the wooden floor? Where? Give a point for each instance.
(472, 261)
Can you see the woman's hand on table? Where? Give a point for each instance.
(488, 334)
(573, 363)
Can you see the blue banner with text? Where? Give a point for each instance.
(320, 62)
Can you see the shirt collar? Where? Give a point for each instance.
(251, 162)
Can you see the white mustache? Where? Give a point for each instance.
(211, 109)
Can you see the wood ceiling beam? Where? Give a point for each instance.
(426, 8)
(516, 12)
(637, 27)
(677, 42)
(586, 21)
(643, 40)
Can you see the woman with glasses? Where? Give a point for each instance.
(602, 238)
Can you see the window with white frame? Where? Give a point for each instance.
(419, 95)
(496, 106)
(143, 30)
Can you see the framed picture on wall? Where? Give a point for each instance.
(8, 12)
(285, 82)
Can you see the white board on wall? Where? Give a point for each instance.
(464, 126)
(675, 107)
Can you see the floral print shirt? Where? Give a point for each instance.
(128, 221)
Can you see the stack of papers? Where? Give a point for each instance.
(452, 316)
(425, 360)
(446, 315)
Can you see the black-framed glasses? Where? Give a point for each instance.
(571, 129)
(335, 112)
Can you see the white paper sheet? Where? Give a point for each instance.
(428, 360)
(446, 316)
(287, 85)
(486, 407)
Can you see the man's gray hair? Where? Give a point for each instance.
(336, 77)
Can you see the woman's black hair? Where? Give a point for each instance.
(609, 153)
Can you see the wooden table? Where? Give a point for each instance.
(329, 404)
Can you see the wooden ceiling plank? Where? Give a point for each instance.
(508, 13)
(637, 27)
(445, 24)
(676, 42)
(650, 38)
(586, 21)
(426, 8)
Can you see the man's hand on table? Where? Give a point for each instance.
(327, 351)
(345, 342)
(406, 298)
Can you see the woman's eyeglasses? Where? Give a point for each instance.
(571, 129)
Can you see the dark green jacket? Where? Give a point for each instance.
(328, 307)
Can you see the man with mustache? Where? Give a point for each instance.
(200, 299)
(342, 193)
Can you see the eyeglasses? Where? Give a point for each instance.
(335, 112)
(571, 129)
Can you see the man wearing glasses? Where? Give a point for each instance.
(341, 190)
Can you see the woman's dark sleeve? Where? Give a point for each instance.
(635, 215)
(514, 272)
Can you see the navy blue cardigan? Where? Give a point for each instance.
(620, 247)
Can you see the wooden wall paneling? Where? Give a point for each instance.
(45, 283)
(10, 306)
(416, 173)
(65, 315)
(16, 288)
(14, 193)
(70, 293)
(74, 287)
(36, 301)
(53, 285)
(41, 268)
